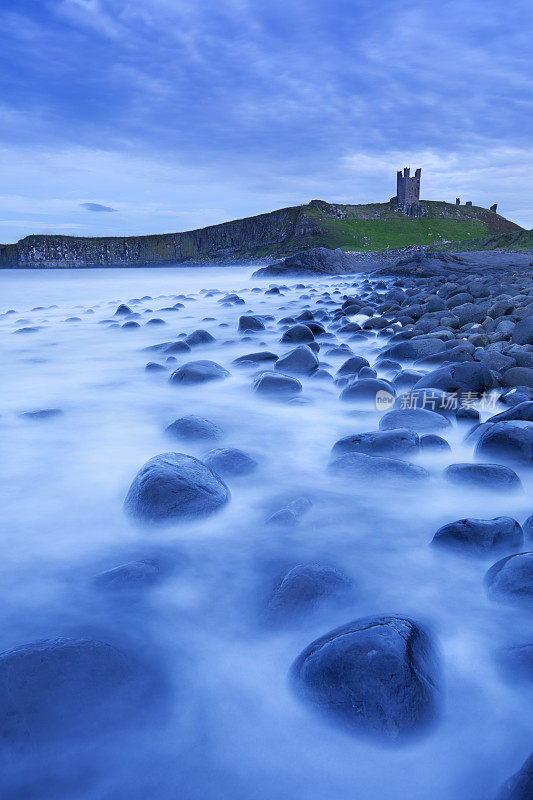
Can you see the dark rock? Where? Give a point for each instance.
(377, 676)
(527, 527)
(131, 324)
(275, 384)
(399, 441)
(480, 535)
(417, 419)
(431, 443)
(301, 361)
(523, 331)
(251, 324)
(199, 337)
(352, 366)
(302, 588)
(483, 476)
(153, 366)
(122, 310)
(298, 334)
(366, 390)
(255, 358)
(511, 579)
(472, 377)
(230, 462)
(510, 441)
(62, 687)
(518, 376)
(193, 427)
(174, 486)
(198, 372)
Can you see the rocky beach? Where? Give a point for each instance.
(283, 514)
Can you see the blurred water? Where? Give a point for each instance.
(231, 728)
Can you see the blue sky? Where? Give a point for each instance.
(175, 114)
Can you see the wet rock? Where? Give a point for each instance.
(517, 395)
(510, 441)
(467, 377)
(511, 579)
(122, 310)
(420, 420)
(366, 390)
(365, 467)
(523, 331)
(483, 476)
(199, 337)
(480, 535)
(432, 443)
(153, 366)
(527, 527)
(298, 334)
(399, 441)
(301, 361)
(518, 376)
(251, 324)
(352, 366)
(56, 688)
(301, 589)
(130, 324)
(173, 486)
(275, 384)
(193, 428)
(255, 358)
(198, 372)
(377, 676)
(230, 462)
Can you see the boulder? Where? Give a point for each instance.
(510, 441)
(301, 361)
(483, 476)
(251, 324)
(230, 462)
(289, 516)
(174, 486)
(523, 331)
(431, 443)
(298, 334)
(193, 427)
(511, 579)
(57, 688)
(467, 377)
(367, 390)
(198, 372)
(352, 366)
(377, 676)
(256, 358)
(399, 441)
(520, 785)
(480, 535)
(518, 376)
(199, 337)
(302, 588)
(275, 384)
(417, 419)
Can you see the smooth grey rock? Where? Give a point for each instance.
(417, 419)
(301, 361)
(510, 441)
(367, 390)
(275, 384)
(399, 441)
(198, 372)
(298, 334)
(365, 467)
(230, 462)
(377, 676)
(193, 427)
(249, 323)
(301, 589)
(199, 337)
(174, 486)
(483, 476)
(481, 536)
(511, 579)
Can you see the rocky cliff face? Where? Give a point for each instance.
(215, 243)
(378, 226)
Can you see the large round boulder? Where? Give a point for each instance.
(193, 427)
(511, 579)
(369, 390)
(173, 486)
(298, 334)
(52, 689)
(376, 675)
(249, 323)
(480, 535)
(420, 420)
(198, 372)
(510, 440)
(483, 476)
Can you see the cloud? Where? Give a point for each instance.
(96, 207)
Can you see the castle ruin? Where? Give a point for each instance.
(408, 191)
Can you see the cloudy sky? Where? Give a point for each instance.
(161, 115)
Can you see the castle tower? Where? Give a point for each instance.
(408, 187)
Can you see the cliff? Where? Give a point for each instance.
(377, 226)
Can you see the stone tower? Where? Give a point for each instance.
(408, 188)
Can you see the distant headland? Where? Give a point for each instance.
(403, 221)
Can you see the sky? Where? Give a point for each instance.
(148, 116)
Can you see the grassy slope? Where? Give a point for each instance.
(382, 226)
